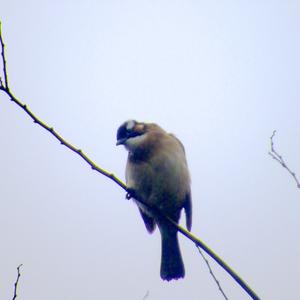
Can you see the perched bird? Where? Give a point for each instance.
(157, 174)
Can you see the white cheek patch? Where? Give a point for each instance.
(130, 125)
(134, 142)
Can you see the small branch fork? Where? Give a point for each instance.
(4, 86)
(275, 155)
(17, 282)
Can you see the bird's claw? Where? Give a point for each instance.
(130, 193)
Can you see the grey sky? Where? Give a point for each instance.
(221, 76)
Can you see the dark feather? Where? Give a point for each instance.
(188, 211)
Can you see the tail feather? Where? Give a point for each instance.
(171, 261)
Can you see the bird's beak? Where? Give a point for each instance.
(121, 141)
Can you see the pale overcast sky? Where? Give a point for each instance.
(221, 75)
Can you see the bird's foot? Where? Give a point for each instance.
(130, 193)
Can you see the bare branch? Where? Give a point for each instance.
(17, 282)
(212, 274)
(5, 84)
(275, 155)
(111, 176)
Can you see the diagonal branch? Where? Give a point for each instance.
(4, 87)
(275, 155)
(63, 142)
(78, 151)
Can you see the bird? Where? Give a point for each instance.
(157, 174)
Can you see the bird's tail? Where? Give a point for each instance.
(171, 261)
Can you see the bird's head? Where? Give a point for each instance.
(131, 134)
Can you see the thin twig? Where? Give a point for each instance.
(5, 85)
(17, 282)
(275, 155)
(111, 176)
(212, 273)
